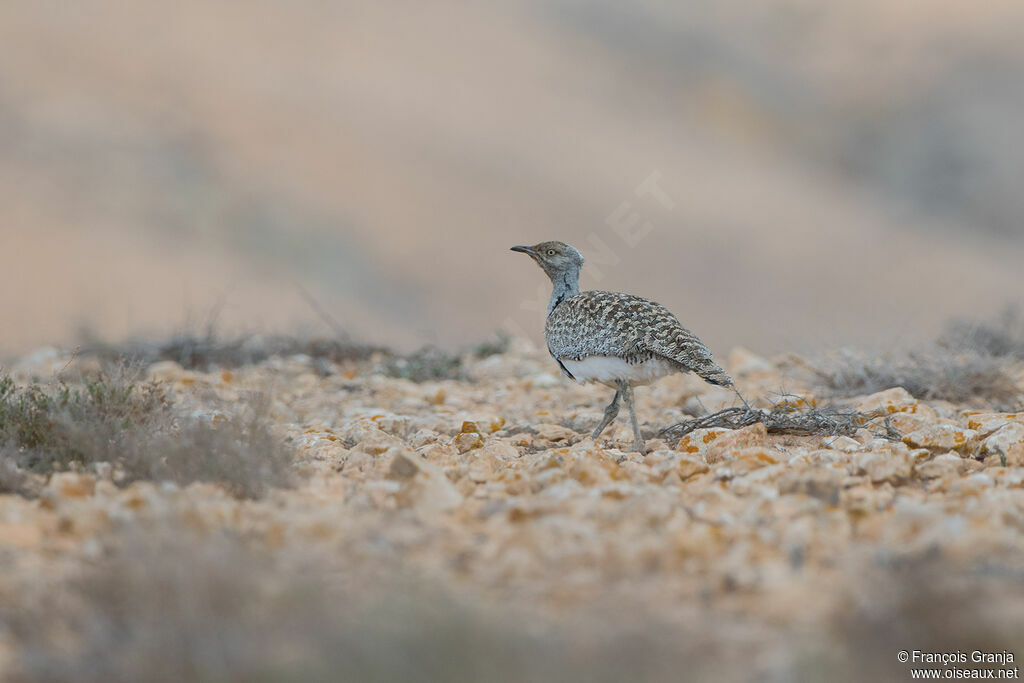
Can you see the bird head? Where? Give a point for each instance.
(556, 258)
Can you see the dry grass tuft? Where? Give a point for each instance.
(924, 603)
(116, 421)
(1002, 337)
(162, 606)
(970, 362)
(937, 373)
(159, 605)
(209, 351)
(428, 364)
(431, 364)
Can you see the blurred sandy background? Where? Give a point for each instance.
(839, 172)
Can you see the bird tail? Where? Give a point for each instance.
(712, 374)
(719, 377)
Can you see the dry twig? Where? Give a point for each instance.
(783, 418)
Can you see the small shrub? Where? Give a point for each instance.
(431, 364)
(971, 361)
(209, 351)
(428, 364)
(937, 373)
(12, 478)
(240, 452)
(922, 603)
(1000, 338)
(54, 427)
(494, 347)
(163, 606)
(115, 418)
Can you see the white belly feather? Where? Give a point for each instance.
(608, 369)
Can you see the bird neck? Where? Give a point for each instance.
(565, 284)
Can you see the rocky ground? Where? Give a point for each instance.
(731, 553)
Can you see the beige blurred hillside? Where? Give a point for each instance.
(837, 174)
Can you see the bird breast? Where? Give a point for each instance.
(609, 369)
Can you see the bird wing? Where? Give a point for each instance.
(591, 324)
(673, 341)
(629, 327)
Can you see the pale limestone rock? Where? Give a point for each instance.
(70, 485)
(656, 444)
(699, 440)
(975, 484)
(423, 437)
(22, 534)
(423, 485)
(821, 482)
(492, 423)
(865, 500)
(733, 440)
(1005, 439)
(483, 467)
(467, 441)
(554, 433)
(1014, 457)
(395, 425)
(817, 457)
(715, 443)
(661, 467)
(923, 454)
(593, 469)
(906, 423)
(945, 465)
(749, 458)
(841, 443)
(876, 444)
(403, 467)
(942, 436)
(364, 435)
(895, 400)
(1010, 477)
(986, 423)
(690, 465)
(865, 436)
(502, 450)
(893, 468)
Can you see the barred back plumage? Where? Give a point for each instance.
(629, 327)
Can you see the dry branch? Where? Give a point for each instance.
(783, 418)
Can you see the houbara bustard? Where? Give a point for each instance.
(619, 340)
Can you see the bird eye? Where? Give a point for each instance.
(551, 252)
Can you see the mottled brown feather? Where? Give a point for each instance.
(629, 327)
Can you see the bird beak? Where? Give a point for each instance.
(526, 250)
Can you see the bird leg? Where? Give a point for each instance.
(610, 413)
(627, 394)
